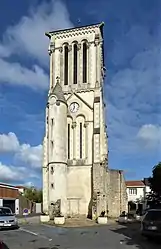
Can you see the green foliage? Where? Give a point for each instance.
(33, 194)
(155, 184)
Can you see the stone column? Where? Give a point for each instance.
(88, 62)
(86, 139)
(52, 57)
(97, 42)
(45, 176)
(74, 139)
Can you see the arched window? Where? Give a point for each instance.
(84, 62)
(68, 141)
(80, 140)
(52, 148)
(75, 67)
(66, 65)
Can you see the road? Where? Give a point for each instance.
(36, 236)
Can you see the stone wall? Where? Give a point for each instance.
(116, 193)
(99, 189)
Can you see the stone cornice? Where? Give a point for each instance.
(74, 31)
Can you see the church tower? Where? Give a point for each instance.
(75, 141)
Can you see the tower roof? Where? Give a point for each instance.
(58, 92)
(55, 32)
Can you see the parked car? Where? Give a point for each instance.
(7, 218)
(151, 223)
(1, 245)
(125, 218)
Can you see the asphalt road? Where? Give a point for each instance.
(102, 237)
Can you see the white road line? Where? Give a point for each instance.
(28, 231)
(35, 234)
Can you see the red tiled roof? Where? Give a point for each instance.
(138, 183)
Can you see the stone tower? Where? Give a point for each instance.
(75, 142)
(56, 127)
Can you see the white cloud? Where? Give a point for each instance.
(15, 73)
(30, 155)
(10, 173)
(133, 91)
(27, 39)
(9, 142)
(29, 34)
(29, 184)
(150, 136)
(25, 153)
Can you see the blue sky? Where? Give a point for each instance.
(132, 36)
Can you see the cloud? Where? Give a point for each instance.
(29, 184)
(25, 153)
(133, 91)
(150, 136)
(9, 143)
(13, 174)
(30, 155)
(15, 73)
(27, 39)
(29, 34)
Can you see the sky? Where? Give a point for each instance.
(132, 38)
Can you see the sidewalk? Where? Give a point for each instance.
(81, 222)
(29, 219)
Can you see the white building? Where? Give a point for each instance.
(75, 142)
(137, 192)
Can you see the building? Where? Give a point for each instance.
(75, 157)
(9, 197)
(21, 189)
(137, 192)
(147, 186)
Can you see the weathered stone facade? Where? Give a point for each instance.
(75, 143)
(116, 192)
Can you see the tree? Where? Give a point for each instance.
(33, 194)
(155, 185)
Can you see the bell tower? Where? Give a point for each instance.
(77, 60)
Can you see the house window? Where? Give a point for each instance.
(52, 122)
(52, 148)
(66, 65)
(75, 67)
(68, 141)
(52, 185)
(52, 170)
(133, 191)
(80, 140)
(52, 125)
(84, 62)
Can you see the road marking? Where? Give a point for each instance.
(28, 231)
(35, 234)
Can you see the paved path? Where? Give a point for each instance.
(103, 237)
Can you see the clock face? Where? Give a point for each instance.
(74, 107)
